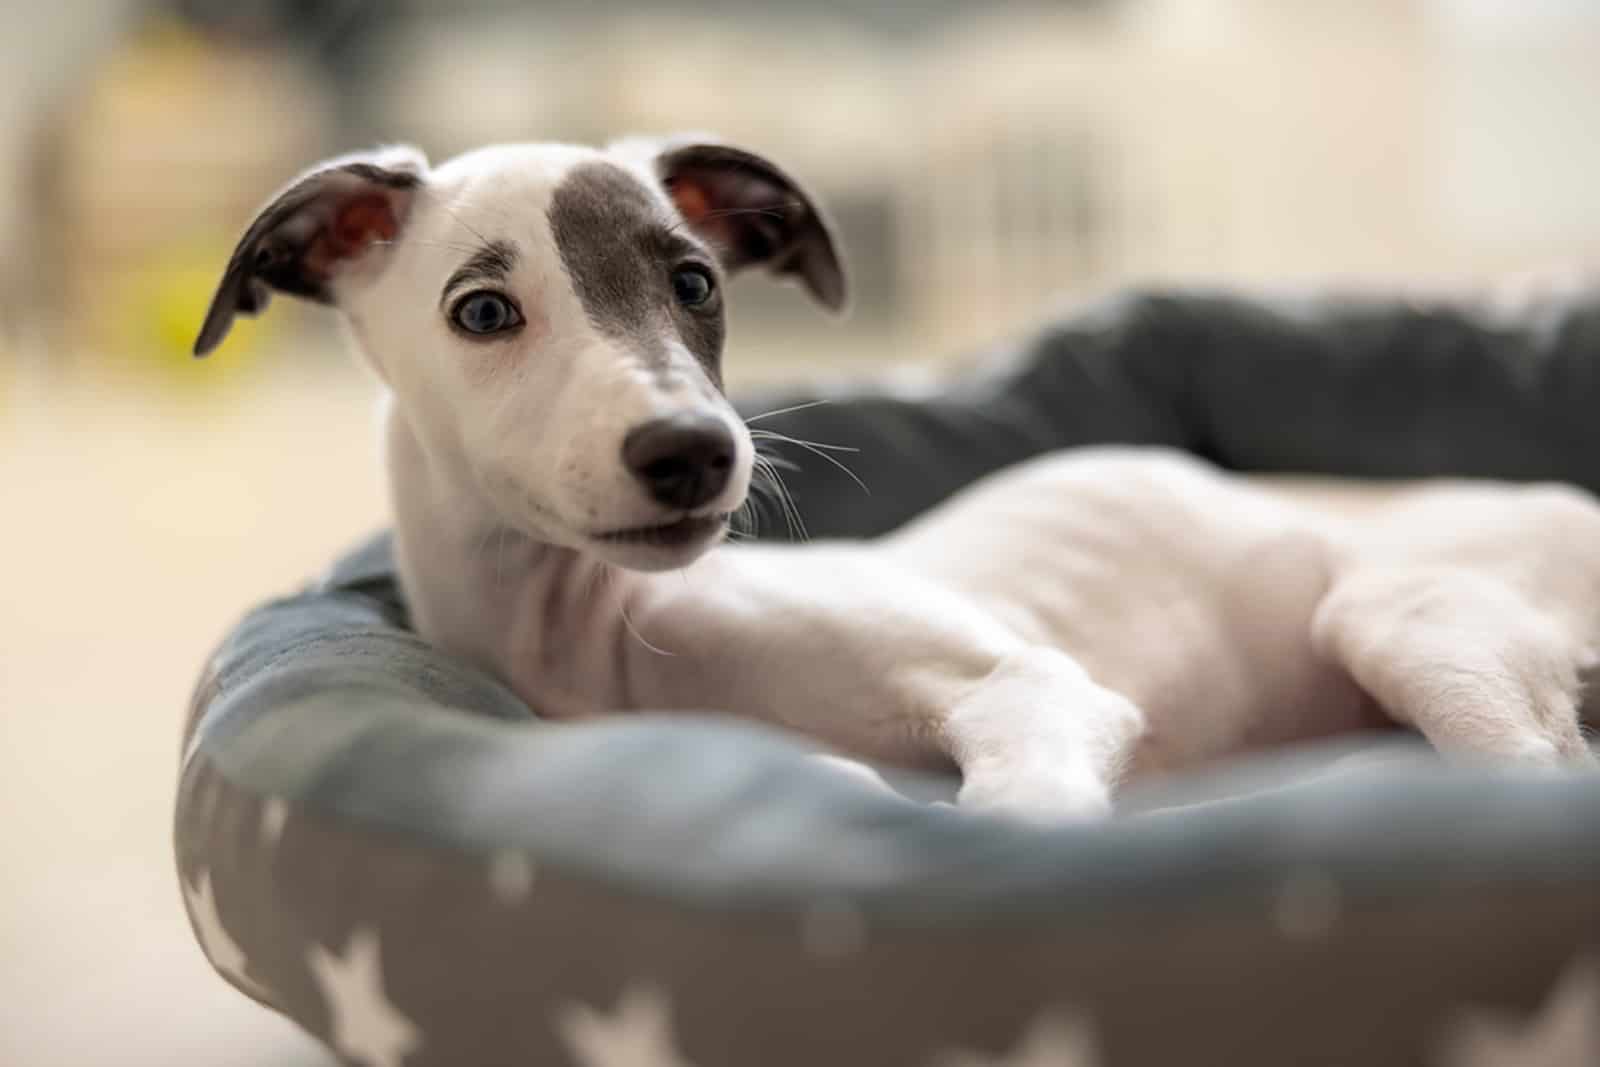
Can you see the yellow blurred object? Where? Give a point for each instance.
(168, 152)
(157, 314)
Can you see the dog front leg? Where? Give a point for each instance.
(1039, 739)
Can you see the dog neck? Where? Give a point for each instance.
(550, 620)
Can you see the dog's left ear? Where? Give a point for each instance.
(323, 222)
(753, 214)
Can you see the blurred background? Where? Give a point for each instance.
(985, 163)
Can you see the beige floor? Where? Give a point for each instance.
(135, 528)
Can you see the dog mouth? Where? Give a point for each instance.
(685, 531)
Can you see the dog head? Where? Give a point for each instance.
(549, 320)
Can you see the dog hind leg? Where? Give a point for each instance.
(1465, 659)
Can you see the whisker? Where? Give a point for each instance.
(791, 513)
(774, 435)
(775, 412)
(848, 473)
(745, 513)
(425, 243)
(600, 578)
(817, 449)
(448, 210)
(780, 462)
(622, 609)
(764, 490)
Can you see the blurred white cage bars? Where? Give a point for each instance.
(985, 161)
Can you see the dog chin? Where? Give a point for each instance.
(664, 547)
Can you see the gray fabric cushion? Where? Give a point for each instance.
(387, 846)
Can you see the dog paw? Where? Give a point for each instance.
(1566, 748)
(1535, 752)
(1037, 797)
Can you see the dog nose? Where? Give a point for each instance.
(682, 461)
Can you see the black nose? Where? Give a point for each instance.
(683, 460)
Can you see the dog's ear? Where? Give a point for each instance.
(321, 222)
(752, 213)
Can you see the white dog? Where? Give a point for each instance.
(548, 322)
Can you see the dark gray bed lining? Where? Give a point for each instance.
(1363, 385)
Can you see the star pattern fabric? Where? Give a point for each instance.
(1564, 1031)
(637, 1033)
(366, 1026)
(511, 875)
(274, 813)
(220, 948)
(1055, 1039)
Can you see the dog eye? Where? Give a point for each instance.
(692, 286)
(485, 313)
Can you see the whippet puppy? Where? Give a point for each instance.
(547, 323)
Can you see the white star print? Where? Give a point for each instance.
(1054, 1040)
(1563, 1032)
(637, 1034)
(223, 952)
(367, 1028)
(274, 813)
(511, 875)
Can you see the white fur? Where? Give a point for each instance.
(1079, 619)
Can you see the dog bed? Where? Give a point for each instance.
(388, 847)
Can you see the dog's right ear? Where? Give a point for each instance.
(322, 222)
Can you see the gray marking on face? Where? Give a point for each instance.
(621, 245)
